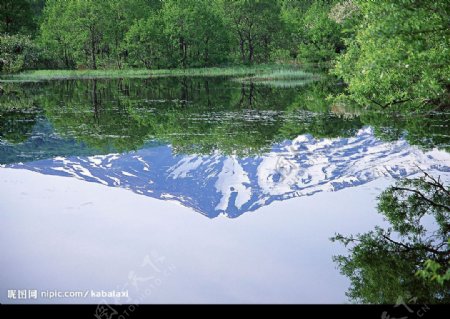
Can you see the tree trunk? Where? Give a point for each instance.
(93, 56)
(183, 50)
(206, 52)
(266, 49)
(119, 62)
(251, 51)
(94, 60)
(66, 58)
(241, 46)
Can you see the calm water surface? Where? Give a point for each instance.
(194, 189)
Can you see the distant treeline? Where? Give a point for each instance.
(170, 33)
(390, 53)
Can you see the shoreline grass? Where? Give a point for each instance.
(245, 72)
(279, 75)
(287, 78)
(285, 84)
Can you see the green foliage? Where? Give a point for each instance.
(124, 13)
(163, 34)
(292, 13)
(147, 46)
(321, 38)
(405, 204)
(196, 32)
(392, 53)
(88, 23)
(56, 33)
(399, 56)
(90, 34)
(256, 26)
(17, 52)
(434, 272)
(383, 264)
(16, 16)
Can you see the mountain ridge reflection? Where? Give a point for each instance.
(232, 185)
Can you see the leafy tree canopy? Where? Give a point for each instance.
(411, 257)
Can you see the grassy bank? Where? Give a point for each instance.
(259, 73)
(284, 78)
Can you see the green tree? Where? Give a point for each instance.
(90, 21)
(16, 16)
(384, 264)
(196, 31)
(256, 25)
(124, 14)
(146, 45)
(320, 37)
(78, 31)
(56, 33)
(399, 56)
(292, 13)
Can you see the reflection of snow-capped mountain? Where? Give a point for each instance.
(217, 184)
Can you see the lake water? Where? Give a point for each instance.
(202, 190)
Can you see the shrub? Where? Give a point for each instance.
(17, 53)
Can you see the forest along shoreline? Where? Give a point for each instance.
(390, 56)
